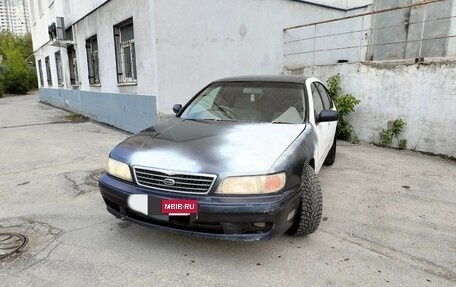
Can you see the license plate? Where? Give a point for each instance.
(179, 206)
(153, 206)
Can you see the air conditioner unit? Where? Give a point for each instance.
(57, 35)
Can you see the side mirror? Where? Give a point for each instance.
(177, 108)
(327, 116)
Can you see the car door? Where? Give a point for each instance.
(330, 127)
(320, 129)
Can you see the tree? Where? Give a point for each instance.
(18, 76)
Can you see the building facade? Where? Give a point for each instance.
(124, 64)
(15, 16)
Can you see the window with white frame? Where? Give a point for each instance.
(125, 52)
(92, 60)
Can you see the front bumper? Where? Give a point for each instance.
(224, 217)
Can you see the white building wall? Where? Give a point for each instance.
(43, 17)
(131, 106)
(75, 10)
(203, 40)
(101, 23)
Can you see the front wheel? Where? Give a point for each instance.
(308, 215)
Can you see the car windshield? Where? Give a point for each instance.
(247, 101)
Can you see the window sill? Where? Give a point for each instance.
(95, 85)
(127, 84)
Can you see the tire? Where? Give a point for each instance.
(331, 157)
(308, 215)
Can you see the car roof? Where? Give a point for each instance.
(265, 78)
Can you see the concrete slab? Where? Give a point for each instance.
(389, 219)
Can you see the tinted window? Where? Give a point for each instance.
(249, 101)
(318, 104)
(324, 96)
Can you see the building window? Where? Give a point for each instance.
(58, 66)
(125, 52)
(92, 60)
(40, 71)
(48, 71)
(73, 64)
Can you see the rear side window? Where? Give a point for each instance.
(327, 104)
(318, 104)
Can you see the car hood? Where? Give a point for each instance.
(224, 148)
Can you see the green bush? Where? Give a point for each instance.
(387, 135)
(16, 83)
(345, 105)
(16, 77)
(403, 144)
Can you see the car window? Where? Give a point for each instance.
(324, 96)
(206, 102)
(318, 104)
(249, 101)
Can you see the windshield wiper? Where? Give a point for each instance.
(225, 111)
(279, 122)
(216, 120)
(226, 120)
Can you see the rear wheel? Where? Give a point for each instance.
(308, 215)
(331, 157)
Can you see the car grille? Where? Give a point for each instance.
(174, 181)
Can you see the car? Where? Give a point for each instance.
(239, 161)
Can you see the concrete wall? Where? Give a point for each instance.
(424, 97)
(128, 112)
(202, 40)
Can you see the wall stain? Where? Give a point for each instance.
(242, 31)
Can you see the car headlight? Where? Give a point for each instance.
(119, 169)
(259, 184)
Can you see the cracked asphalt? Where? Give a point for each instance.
(389, 219)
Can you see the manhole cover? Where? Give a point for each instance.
(11, 243)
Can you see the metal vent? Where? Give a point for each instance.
(174, 181)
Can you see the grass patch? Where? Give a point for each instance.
(75, 117)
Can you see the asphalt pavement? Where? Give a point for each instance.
(389, 219)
